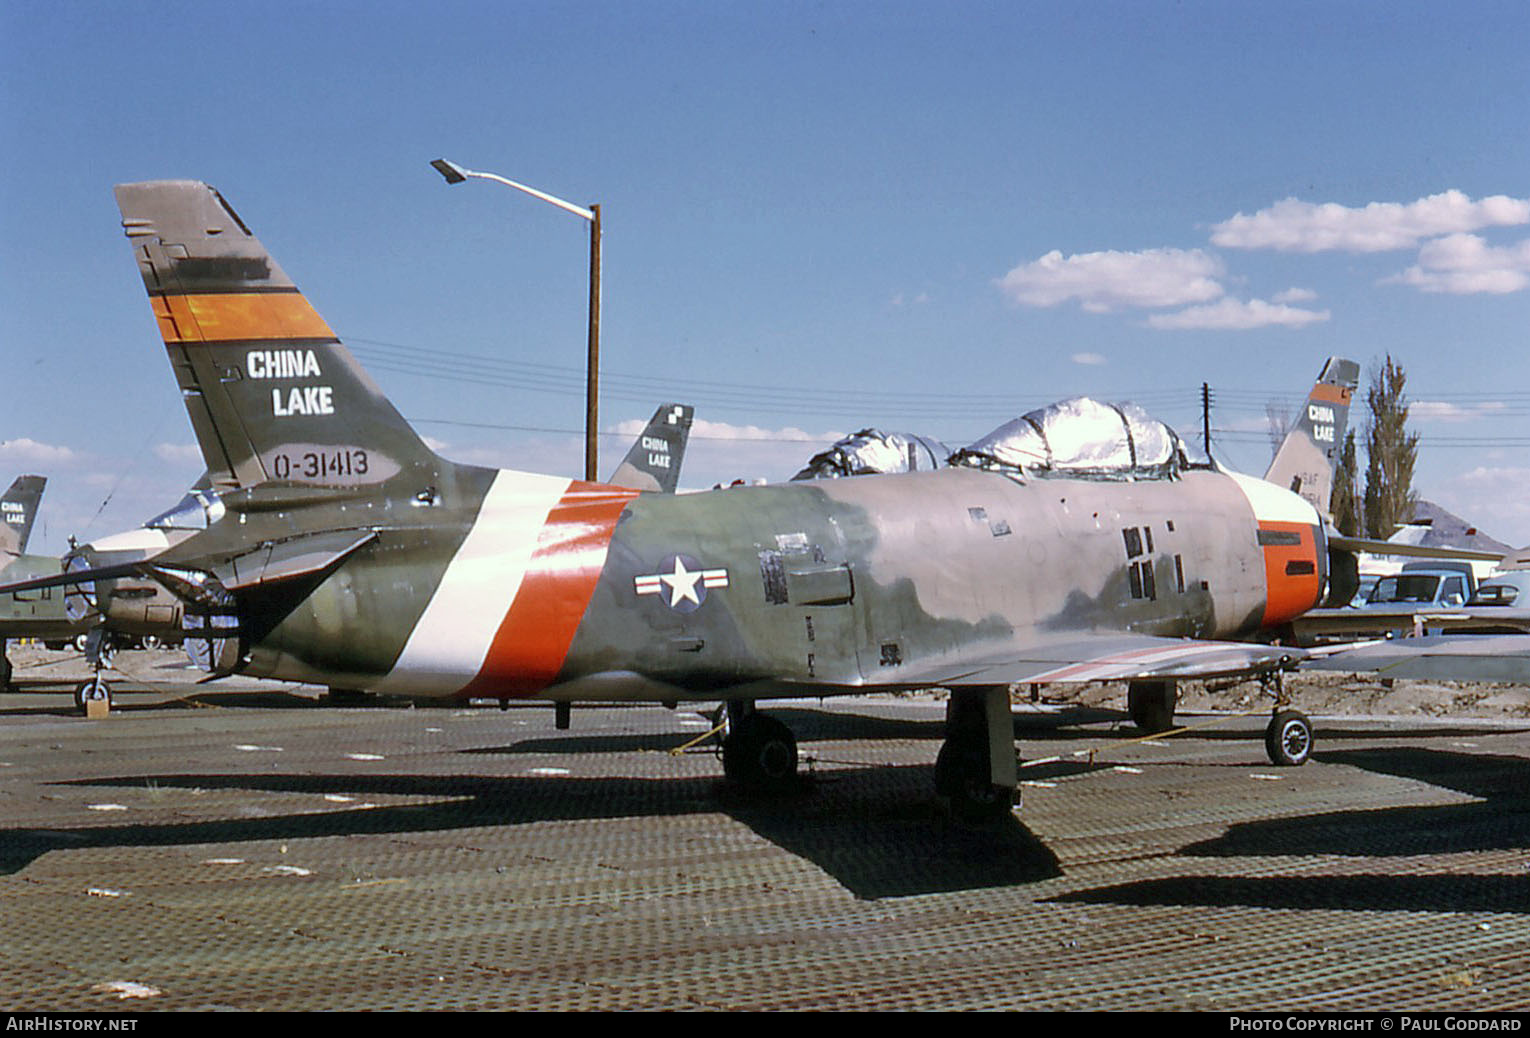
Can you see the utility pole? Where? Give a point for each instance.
(1206, 418)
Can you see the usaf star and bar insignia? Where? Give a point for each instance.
(681, 583)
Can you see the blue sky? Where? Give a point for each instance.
(818, 217)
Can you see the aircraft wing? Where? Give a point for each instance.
(1451, 657)
(1115, 657)
(1077, 658)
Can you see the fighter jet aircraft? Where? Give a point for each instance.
(1086, 543)
(38, 612)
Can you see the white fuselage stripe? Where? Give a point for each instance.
(447, 648)
(1272, 504)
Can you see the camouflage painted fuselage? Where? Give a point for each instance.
(570, 590)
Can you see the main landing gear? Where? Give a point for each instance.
(976, 772)
(1151, 705)
(758, 751)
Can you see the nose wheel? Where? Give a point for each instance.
(1288, 739)
(96, 691)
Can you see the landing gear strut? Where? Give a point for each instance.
(759, 752)
(99, 650)
(1288, 738)
(976, 771)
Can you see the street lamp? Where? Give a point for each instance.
(455, 174)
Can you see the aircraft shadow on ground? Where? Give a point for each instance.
(1498, 820)
(877, 832)
(1371, 892)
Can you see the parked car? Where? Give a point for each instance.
(1494, 595)
(1439, 586)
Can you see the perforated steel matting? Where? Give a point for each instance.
(269, 852)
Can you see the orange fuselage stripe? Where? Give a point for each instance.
(533, 640)
(1287, 595)
(238, 317)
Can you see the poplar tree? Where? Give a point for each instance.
(1345, 503)
(1390, 452)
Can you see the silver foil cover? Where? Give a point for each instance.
(871, 451)
(1080, 436)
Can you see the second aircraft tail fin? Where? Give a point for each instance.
(653, 463)
(1307, 457)
(18, 510)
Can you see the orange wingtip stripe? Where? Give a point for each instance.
(1330, 394)
(238, 317)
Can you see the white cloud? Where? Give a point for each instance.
(1440, 411)
(701, 429)
(1295, 226)
(1237, 315)
(1294, 295)
(27, 451)
(178, 452)
(1103, 281)
(1462, 264)
(1092, 359)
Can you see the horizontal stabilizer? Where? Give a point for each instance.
(300, 557)
(1421, 551)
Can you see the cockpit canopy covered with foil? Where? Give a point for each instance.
(1083, 438)
(872, 452)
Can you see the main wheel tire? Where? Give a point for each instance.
(760, 753)
(1288, 739)
(1151, 705)
(963, 779)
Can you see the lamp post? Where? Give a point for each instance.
(455, 174)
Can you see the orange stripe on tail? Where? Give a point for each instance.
(238, 317)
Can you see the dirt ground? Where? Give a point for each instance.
(1330, 693)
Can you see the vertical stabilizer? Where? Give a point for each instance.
(653, 463)
(1307, 457)
(18, 510)
(272, 393)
